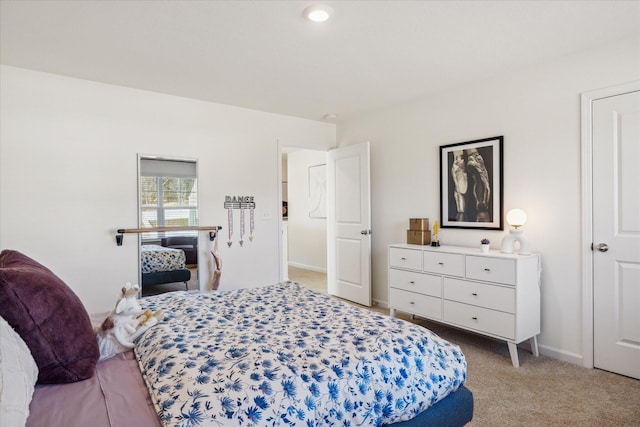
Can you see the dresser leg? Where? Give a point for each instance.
(513, 351)
(534, 345)
(392, 312)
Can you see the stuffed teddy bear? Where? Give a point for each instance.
(125, 323)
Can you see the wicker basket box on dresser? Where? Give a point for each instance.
(492, 294)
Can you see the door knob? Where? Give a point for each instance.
(365, 232)
(602, 247)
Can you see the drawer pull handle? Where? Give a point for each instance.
(487, 269)
(411, 302)
(441, 263)
(474, 318)
(474, 294)
(403, 259)
(412, 282)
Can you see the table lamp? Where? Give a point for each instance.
(516, 218)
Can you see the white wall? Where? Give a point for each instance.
(538, 112)
(285, 179)
(307, 236)
(68, 175)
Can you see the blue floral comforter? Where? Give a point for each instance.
(282, 355)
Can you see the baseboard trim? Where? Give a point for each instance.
(381, 304)
(308, 267)
(565, 356)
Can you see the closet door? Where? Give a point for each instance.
(616, 233)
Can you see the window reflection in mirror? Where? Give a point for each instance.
(168, 198)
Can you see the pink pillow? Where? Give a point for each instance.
(49, 317)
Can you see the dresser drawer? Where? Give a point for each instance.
(480, 294)
(491, 269)
(444, 263)
(405, 258)
(416, 282)
(411, 302)
(480, 319)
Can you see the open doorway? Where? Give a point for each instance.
(304, 222)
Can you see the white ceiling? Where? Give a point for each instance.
(264, 55)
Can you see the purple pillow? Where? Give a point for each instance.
(49, 317)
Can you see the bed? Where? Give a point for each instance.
(100, 402)
(277, 355)
(161, 264)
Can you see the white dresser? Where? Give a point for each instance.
(492, 294)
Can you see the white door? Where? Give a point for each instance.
(349, 224)
(616, 233)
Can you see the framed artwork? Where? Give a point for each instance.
(471, 184)
(318, 191)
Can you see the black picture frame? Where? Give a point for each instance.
(471, 184)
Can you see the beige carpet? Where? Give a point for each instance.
(542, 392)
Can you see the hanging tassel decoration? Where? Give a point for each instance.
(230, 225)
(251, 223)
(241, 227)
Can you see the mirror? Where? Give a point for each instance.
(168, 199)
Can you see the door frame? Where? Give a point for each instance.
(586, 101)
(281, 146)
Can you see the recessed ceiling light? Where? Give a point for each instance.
(318, 13)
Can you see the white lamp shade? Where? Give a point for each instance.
(516, 217)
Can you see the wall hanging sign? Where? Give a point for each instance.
(241, 203)
(471, 184)
(318, 191)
